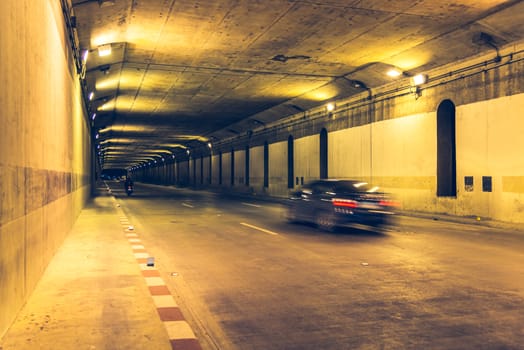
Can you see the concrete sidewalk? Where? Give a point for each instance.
(99, 293)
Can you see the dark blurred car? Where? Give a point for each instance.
(336, 203)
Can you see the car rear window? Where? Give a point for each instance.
(352, 187)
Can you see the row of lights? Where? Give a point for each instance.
(152, 162)
(103, 50)
(416, 81)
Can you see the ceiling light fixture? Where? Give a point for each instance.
(104, 50)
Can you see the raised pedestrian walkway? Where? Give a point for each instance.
(98, 292)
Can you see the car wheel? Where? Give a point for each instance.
(291, 215)
(325, 221)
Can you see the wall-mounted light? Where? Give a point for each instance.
(188, 151)
(93, 116)
(91, 96)
(105, 68)
(209, 145)
(419, 79)
(330, 107)
(417, 92)
(104, 50)
(84, 56)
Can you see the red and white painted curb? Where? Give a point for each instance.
(180, 334)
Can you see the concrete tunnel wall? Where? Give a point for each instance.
(45, 159)
(392, 142)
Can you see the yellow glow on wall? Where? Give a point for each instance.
(394, 72)
(108, 106)
(104, 50)
(143, 105)
(292, 89)
(323, 93)
(116, 141)
(133, 128)
(413, 62)
(103, 39)
(130, 80)
(106, 83)
(124, 102)
(174, 145)
(155, 151)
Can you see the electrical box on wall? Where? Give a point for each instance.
(468, 183)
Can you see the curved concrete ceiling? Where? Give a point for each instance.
(182, 72)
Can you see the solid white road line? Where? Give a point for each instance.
(187, 205)
(259, 229)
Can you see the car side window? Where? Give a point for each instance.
(316, 189)
(322, 189)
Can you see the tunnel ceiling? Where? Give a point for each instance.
(185, 72)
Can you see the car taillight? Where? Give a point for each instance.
(389, 203)
(347, 203)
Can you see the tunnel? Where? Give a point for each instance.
(254, 106)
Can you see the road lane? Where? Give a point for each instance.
(428, 284)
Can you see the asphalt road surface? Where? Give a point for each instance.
(246, 279)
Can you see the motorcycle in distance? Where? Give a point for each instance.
(128, 186)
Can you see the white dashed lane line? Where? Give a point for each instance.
(252, 205)
(259, 229)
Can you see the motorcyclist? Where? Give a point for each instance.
(128, 183)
